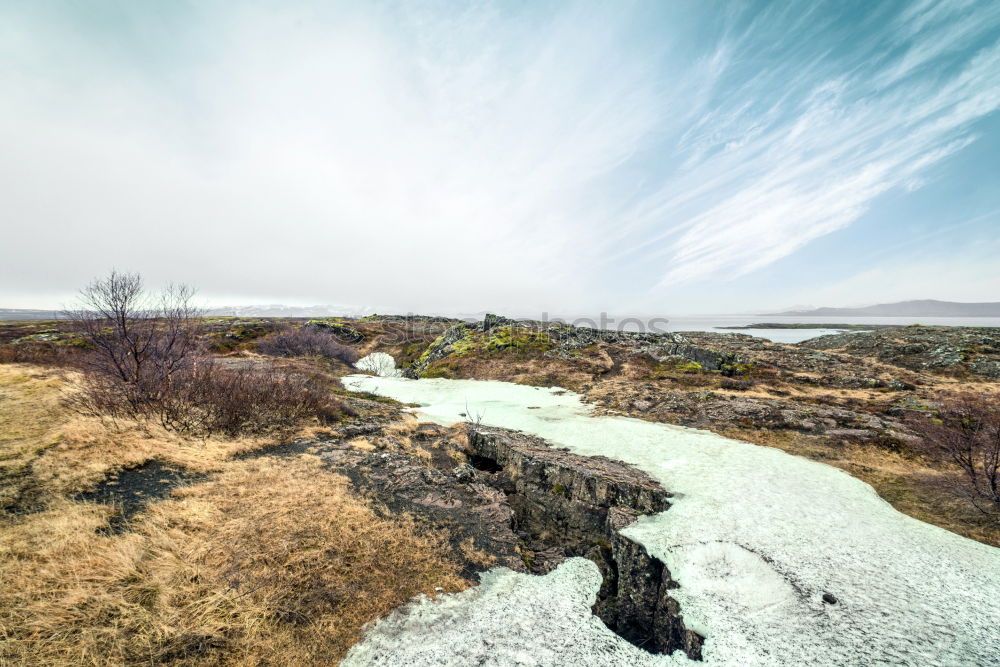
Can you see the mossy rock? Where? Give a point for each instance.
(430, 349)
(737, 368)
(441, 369)
(690, 367)
(344, 332)
(519, 338)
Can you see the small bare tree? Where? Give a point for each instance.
(137, 341)
(144, 363)
(966, 431)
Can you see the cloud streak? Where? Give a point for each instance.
(814, 161)
(453, 158)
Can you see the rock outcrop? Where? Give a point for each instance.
(825, 366)
(562, 340)
(345, 332)
(439, 349)
(707, 408)
(973, 351)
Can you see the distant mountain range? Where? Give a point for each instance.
(921, 308)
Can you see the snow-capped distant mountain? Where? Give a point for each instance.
(281, 310)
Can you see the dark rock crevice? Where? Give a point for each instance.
(567, 505)
(503, 498)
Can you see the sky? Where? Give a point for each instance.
(521, 157)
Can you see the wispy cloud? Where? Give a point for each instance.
(772, 178)
(441, 144)
(454, 157)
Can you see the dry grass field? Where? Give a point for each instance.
(268, 561)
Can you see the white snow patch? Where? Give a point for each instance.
(488, 624)
(754, 536)
(380, 363)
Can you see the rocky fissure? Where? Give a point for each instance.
(507, 499)
(568, 505)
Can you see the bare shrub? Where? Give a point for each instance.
(966, 432)
(41, 353)
(208, 399)
(212, 399)
(136, 342)
(734, 384)
(307, 341)
(143, 363)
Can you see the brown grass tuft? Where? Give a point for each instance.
(50, 450)
(30, 413)
(271, 562)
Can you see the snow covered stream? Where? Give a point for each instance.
(755, 537)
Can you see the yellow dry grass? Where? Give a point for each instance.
(273, 561)
(56, 452)
(29, 414)
(88, 448)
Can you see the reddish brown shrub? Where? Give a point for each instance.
(143, 362)
(41, 353)
(208, 399)
(307, 341)
(965, 430)
(212, 399)
(735, 385)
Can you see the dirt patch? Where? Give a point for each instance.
(130, 491)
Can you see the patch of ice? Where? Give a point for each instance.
(487, 625)
(754, 536)
(380, 363)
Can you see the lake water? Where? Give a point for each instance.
(714, 322)
(755, 537)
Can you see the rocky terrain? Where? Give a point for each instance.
(963, 352)
(507, 499)
(851, 386)
(500, 498)
(848, 400)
